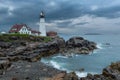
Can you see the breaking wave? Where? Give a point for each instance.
(83, 74)
(99, 46)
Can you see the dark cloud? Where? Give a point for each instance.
(110, 12)
(66, 11)
(64, 24)
(3, 11)
(82, 23)
(28, 11)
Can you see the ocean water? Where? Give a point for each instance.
(92, 63)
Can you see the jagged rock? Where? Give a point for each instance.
(5, 44)
(4, 64)
(14, 78)
(111, 72)
(60, 42)
(90, 76)
(80, 45)
(33, 51)
(13, 37)
(14, 58)
(64, 76)
(2, 54)
(30, 51)
(59, 76)
(71, 76)
(23, 49)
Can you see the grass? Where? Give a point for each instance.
(47, 39)
(17, 34)
(9, 37)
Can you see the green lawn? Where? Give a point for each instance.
(10, 37)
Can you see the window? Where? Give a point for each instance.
(14, 29)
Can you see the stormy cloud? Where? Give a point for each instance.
(63, 16)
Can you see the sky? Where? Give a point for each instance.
(63, 16)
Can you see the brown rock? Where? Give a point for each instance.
(71, 76)
(59, 76)
(14, 78)
(2, 54)
(4, 64)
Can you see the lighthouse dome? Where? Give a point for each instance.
(42, 15)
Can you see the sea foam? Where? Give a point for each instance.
(55, 64)
(58, 66)
(60, 56)
(78, 73)
(99, 46)
(83, 74)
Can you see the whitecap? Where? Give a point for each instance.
(83, 74)
(95, 51)
(59, 66)
(60, 56)
(77, 55)
(55, 64)
(44, 61)
(99, 46)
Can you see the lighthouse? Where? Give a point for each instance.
(42, 27)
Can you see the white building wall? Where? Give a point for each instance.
(35, 34)
(42, 27)
(24, 30)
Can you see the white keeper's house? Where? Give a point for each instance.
(23, 29)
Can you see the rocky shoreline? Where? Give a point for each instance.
(20, 57)
(112, 72)
(32, 51)
(24, 70)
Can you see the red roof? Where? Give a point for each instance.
(51, 33)
(17, 27)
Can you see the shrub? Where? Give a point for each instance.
(47, 39)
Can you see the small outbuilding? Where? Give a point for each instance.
(52, 34)
(2, 32)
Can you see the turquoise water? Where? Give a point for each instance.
(92, 63)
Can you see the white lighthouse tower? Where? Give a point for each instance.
(42, 27)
